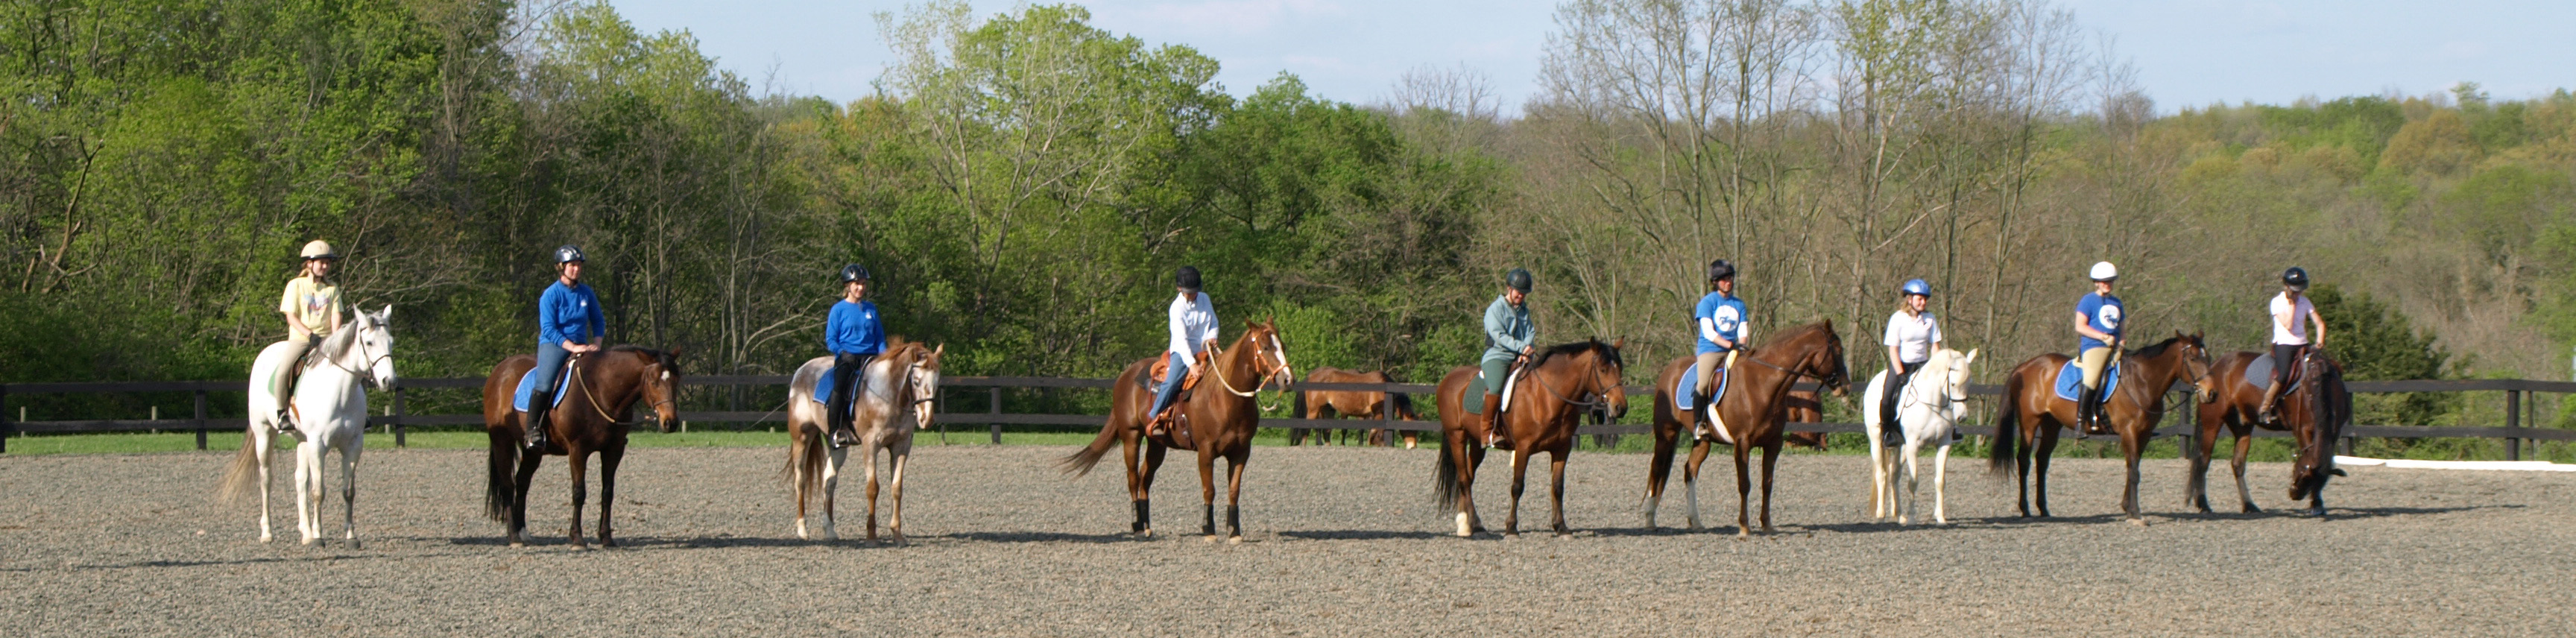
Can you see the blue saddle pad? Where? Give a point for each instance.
(2070, 381)
(823, 385)
(1690, 379)
(528, 387)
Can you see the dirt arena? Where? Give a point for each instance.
(1340, 541)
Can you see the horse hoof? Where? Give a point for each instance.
(1234, 540)
(585, 547)
(1511, 536)
(353, 543)
(264, 538)
(606, 543)
(1211, 538)
(308, 542)
(2140, 522)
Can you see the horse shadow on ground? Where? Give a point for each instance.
(1378, 534)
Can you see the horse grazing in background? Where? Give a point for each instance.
(1215, 424)
(900, 383)
(2026, 424)
(1929, 409)
(1315, 404)
(330, 414)
(1752, 405)
(2232, 396)
(1552, 394)
(599, 397)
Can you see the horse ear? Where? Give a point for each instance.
(675, 353)
(1972, 357)
(386, 314)
(1619, 343)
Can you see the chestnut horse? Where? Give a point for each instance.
(1312, 404)
(2032, 412)
(901, 382)
(1559, 386)
(2228, 399)
(1220, 422)
(1803, 406)
(1753, 408)
(597, 407)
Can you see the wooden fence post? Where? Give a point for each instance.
(7, 429)
(201, 420)
(940, 406)
(402, 433)
(997, 409)
(2512, 420)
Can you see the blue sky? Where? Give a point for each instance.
(2188, 52)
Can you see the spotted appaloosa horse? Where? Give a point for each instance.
(901, 385)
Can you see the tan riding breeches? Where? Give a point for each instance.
(280, 385)
(2093, 361)
(1706, 367)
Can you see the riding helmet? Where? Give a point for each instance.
(1720, 270)
(2104, 271)
(2296, 278)
(568, 254)
(1918, 287)
(1519, 279)
(1187, 279)
(854, 272)
(318, 249)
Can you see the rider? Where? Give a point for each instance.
(1193, 330)
(855, 338)
(568, 323)
(2097, 321)
(1912, 335)
(1507, 346)
(1721, 319)
(2291, 316)
(311, 305)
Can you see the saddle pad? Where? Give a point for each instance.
(1478, 406)
(2070, 381)
(823, 384)
(528, 386)
(1690, 379)
(2259, 374)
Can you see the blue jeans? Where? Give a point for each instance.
(550, 365)
(1180, 370)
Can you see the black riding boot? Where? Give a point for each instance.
(2088, 411)
(1705, 429)
(534, 427)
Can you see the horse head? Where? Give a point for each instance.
(1955, 373)
(1269, 356)
(922, 380)
(661, 382)
(1609, 377)
(2315, 418)
(370, 349)
(1824, 363)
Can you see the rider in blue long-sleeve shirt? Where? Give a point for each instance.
(568, 323)
(855, 338)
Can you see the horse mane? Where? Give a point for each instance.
(669, 363)
(1792, 332)
(1593, 345)
(2156, 349)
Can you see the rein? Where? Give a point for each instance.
(1256, 387)
(361, 374)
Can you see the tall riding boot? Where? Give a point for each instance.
(2271, 410)
(2089, 409)
(1494, 434)
(1705, 429)
(535, 428)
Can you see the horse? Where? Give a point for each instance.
(1313, 404)
(2032, 411)
(1215, 424)
(2228, 398)
(1559, 386)
(1760, 384)
(1933, 401)
(331, 414)
(1803, 406)
(899, 383)
(596, 410)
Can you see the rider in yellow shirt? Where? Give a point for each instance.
(311, 305)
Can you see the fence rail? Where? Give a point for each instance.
(398, 420)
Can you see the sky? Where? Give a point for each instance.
(2188, 53)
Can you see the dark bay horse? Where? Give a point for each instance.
(2026, 424)
(1316, 404)
(1563, 384)
(901, 385)
(2228, 400)
(1221, 421)
(597, 407)
(1753, 410)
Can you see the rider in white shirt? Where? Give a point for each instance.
(2292, 314)
(1912, 334)
(1193, 329)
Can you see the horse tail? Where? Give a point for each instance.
(1659, 468)
(1444, 480)
(500, 487)
(804, 471)
(2000, 454)
(243, 472)
(1299, 411)
(1080, 461)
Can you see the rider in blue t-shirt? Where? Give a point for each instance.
(568, 323)
(2097, 320)
(854, 336)
(1720, 320)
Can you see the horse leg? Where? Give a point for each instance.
(2195, 488)
(2046, 449)
(835, 458)
(1520, 479)
(2021, 461)
(868, 458)
(1690, 483)
(1880, 468)
(1657, 472)
(308, 491)
(1556, 491)
(1207, 495)
(1770, 460)
(1141, 483)
(2132, 445)
(1234, 494)
(796, 478)
(527, 477)
(580, 460)
(608, 460)
(897, 454)
(1905, 502)
(1463, 460)
(2244, 444)
(1940, 476)
(266, 446)
(349, 490)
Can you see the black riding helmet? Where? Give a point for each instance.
(568, 254)
(1720, 270)
(854, 272)
(1519, 279)
(1187, 278)
(2296, 278)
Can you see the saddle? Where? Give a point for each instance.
(1178, 435)
(2259, 372)
(1511, 381)
(1162, 369)
(2070, 381)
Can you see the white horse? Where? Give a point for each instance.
(903, 381)
(330, 413)
(1932, 403)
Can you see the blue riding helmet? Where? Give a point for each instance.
(1918, 287)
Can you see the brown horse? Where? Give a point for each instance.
(2228, 398)
(1219, 421)
(597, 407)
(2032, 412)
(900, 383)
(1803, 406)
(1314, 404)
(1561, 385)
(1753, 409)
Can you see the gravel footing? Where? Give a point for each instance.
(1339, 541)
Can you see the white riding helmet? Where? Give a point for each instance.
(318, 249)
(2104, 271)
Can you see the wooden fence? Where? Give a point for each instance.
(398, 420)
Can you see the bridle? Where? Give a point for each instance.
(1593, 401)
(1257, 359)
(356, 335)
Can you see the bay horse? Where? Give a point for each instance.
(1753, 408)
(1220, 424)
(1560, 385)
(1803, 406)
(2228, 398)
(596, 410)
(2027, 422)
(1315, 404)
(330, 411)
(900, 382)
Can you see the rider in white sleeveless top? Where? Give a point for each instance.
(1912, 335)
(2291, 316)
